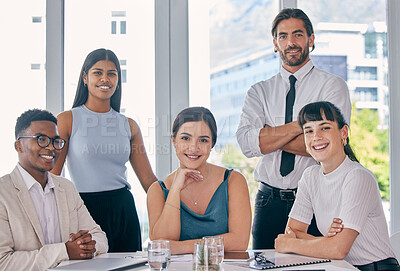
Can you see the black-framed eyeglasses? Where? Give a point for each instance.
(44, 141)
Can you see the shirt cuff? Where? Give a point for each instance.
(254, 141)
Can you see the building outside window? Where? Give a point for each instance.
(118, 22)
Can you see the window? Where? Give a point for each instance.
(363, 73)
(123, 27)
(123, 62)
(118, 20)
(123, 75)
(240, 55)
(364, 94)
(113, 27)
(36, 19)
(118, 13)
(345, 30)
(35, 66)
(25, 80)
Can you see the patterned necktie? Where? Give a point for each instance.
(287, 161)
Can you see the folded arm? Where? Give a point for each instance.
(274, 138)
(296, 240)
(296, 146)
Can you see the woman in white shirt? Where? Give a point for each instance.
(339, 187)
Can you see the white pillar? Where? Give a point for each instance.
(172, 76)
(393, 22)
(55, 56)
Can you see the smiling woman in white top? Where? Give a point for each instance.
(339, 187)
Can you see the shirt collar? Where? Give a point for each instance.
(30, 181)
(300, 74)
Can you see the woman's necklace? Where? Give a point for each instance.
(201, 192)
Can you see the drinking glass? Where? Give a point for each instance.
(217, 241)
(205, 256)
(198, 255)
(159, 254)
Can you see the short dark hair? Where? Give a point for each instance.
(82, 91)
(295, 13)
(197, 113)
(314, 111)
(24, 121)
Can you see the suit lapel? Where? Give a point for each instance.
(27, 203)
(62, 208)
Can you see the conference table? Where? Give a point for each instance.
(184, 262)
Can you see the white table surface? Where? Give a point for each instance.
(176, 264)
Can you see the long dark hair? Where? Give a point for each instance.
(197, 113)
(314, 111)
(82, 94)
(295, 13)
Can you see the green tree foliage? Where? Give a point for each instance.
(234, 158)
(371, 145)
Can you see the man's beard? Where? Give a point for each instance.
(293, 61)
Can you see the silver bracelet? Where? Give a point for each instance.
(173, 206)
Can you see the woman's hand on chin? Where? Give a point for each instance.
(184, 177)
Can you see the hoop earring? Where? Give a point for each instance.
(85, 85)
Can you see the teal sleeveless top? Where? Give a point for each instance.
(215, 219)
(98, 150)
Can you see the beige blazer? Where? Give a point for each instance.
(22, 244)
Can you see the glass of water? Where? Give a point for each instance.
(159, 254)
(217, 241)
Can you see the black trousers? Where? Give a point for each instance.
(115, 212)
(389, 264)
(270, 218)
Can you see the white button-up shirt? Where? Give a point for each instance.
(265, 104)
(45, 205)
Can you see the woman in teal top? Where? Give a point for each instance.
(198, 199)
(215, 219)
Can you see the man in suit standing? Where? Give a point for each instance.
(43, 220)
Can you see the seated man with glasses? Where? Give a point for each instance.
(43, 221)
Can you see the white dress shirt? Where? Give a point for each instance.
(351, 193)
(265, 104)
(45, 205)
